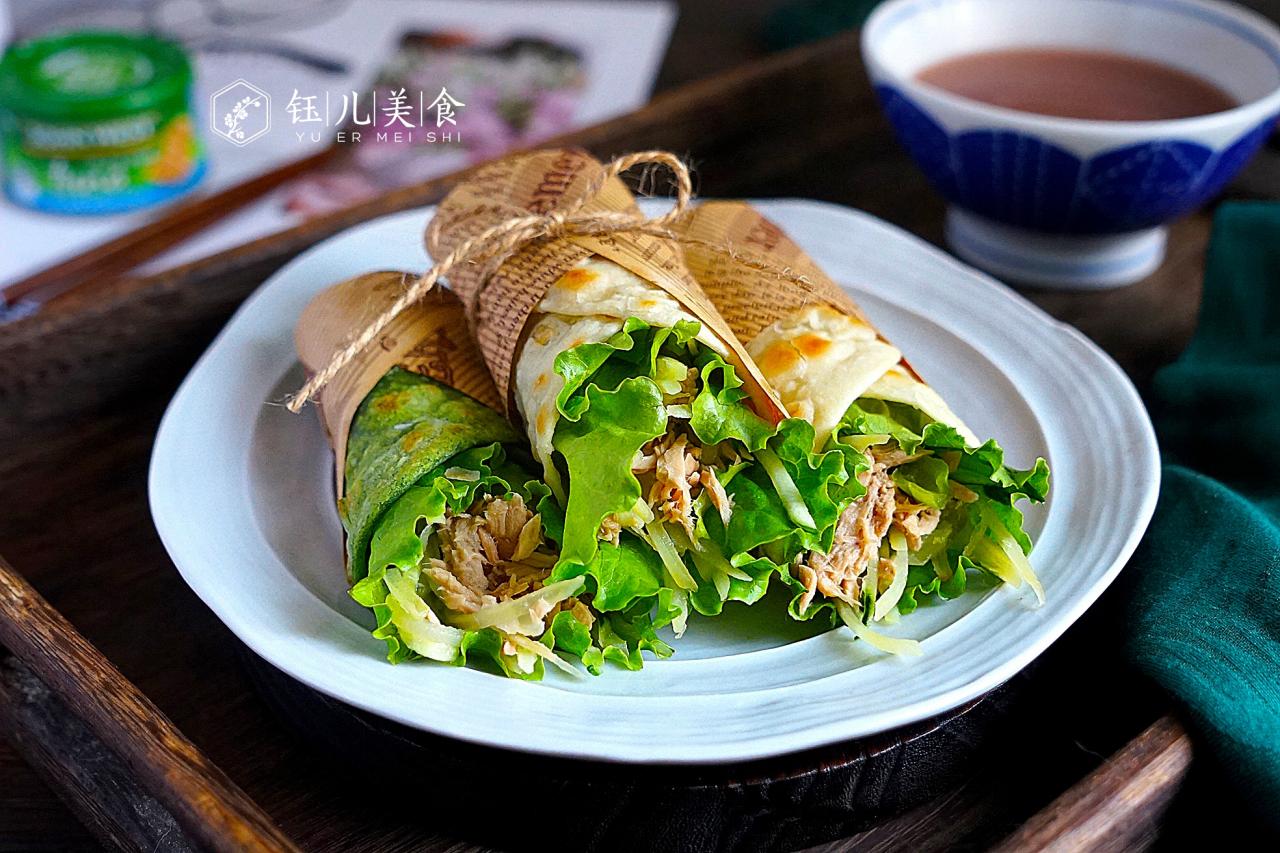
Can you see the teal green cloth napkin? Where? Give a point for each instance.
(1204, 615)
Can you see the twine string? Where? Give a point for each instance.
(496, 244)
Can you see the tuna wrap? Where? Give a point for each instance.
(926, 507)
(639, 402)
(450, 534)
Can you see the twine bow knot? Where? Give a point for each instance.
(499, 242)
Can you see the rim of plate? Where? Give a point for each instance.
(1102, 437)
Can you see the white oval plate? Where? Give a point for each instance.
(241, 494)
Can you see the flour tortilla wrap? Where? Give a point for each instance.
(636, 396)
(450, 536)
(925, 503)
(814, 345)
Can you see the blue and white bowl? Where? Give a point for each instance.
(1072, 202)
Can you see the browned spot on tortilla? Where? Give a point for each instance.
(540, 422)
(576, 279)
(541, 381)
(779, 357)
(812, 345)
(412, 440)
(388, 404)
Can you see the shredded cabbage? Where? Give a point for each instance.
(680, 601)
(638, 516)
(712, 550)
(531, 646)
(892, 645)
(523, 615)
(419, 628)
(871, 582)
(998, 551)
(791, 498)
(889, 600)
(862, 442)
(661, 541)
(670, 374)
(713, 566)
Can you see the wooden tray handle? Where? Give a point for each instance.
(1115, 806)
(208, 805)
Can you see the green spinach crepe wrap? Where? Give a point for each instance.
(450, 537)
(640, 405)
(916, 506)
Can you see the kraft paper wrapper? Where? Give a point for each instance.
(429, 338)
(500, 302)
(753, 299)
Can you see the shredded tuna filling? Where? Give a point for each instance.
(717, 495)
(860, 529)
(839, 573)
(494, 553)
(672, 476)
(915, 522)
(610, 528)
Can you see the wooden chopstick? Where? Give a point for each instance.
(121, 254)
(207, 804)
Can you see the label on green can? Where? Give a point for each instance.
(97, 123)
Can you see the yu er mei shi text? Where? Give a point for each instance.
(392, 116)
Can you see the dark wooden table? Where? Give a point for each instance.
(82, 387)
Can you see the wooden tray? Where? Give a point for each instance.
(82, 385)
(778, 804)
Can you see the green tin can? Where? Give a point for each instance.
(97, 122)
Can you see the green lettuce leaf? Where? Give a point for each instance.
(610, 406)
(618, 575)
(761, 526)
(926, 480)
(906, 424)
(709, 599)
(979, 468)
(618, 637)
(759, 518)
(598, 447)
(624, 636)
(721, 411)
(627, 354)
(827, 480)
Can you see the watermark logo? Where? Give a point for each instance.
(446, 106)
(240, 112)
(380, 116)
